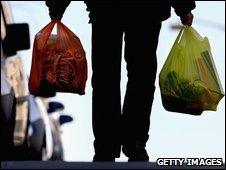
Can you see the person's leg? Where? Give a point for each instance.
(106, 103)
(141, 41)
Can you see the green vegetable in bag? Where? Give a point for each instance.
(188, 81)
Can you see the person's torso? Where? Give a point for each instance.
(158, 10)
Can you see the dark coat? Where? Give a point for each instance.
(157, 9)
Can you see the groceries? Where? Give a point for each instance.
(62, 68)
(58, 62)
(189, 81)
(181, 95)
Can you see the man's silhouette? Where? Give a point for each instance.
(139, 23)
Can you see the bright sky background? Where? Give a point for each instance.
(171, 134)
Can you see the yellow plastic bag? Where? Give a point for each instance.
(188, 81)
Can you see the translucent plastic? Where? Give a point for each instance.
(189, 81)
(58, 62)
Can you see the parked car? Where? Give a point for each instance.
(44, 135)
(14, 103)
(57, 118)
(30, 125)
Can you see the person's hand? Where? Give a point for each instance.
(187, 19)
(55, 15)
(57, 8)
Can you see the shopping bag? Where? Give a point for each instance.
(189, 81)
(58, 62)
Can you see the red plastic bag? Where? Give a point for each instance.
(58, 62)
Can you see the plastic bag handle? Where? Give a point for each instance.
(181, 33)
(64, 33)
(46, 31)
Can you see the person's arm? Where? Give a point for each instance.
(57, 8)
(183, 9)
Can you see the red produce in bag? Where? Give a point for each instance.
(58, 62)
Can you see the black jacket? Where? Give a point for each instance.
(153, 9)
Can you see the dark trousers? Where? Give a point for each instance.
(114, 126)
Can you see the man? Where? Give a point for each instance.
(140, 23)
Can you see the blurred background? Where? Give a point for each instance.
(60, 127)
